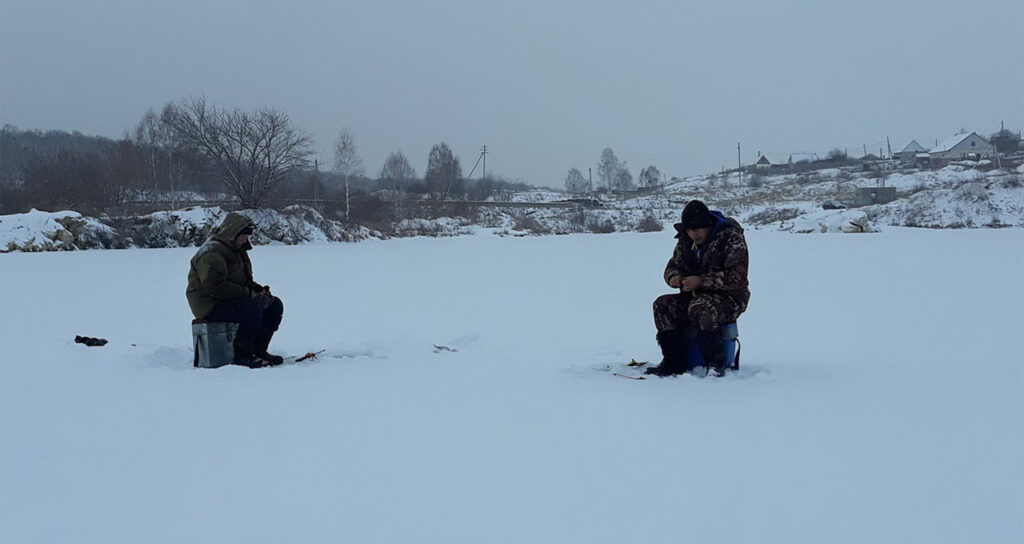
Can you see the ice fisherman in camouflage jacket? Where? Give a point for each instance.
(221, 289)
(709, 267)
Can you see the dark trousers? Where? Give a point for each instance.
(707, 311)
(257, 317)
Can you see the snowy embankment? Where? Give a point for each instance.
(955, 196)
(880, 398)
(44, 231)
(59, 231)
(952, 197)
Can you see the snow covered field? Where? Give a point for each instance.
(881, 397)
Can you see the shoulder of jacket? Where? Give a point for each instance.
(733, 237)
(211, 247)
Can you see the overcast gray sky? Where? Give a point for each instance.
(545, 84)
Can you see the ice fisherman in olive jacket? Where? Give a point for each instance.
(709, 267)
(221, 289)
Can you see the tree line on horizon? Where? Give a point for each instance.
(259, 158)
(613, 175)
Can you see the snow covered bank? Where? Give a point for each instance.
(876, 403)
(44, 231)
(953, 197)
(66, 230)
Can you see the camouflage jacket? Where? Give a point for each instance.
(219, 270)
(721, 262)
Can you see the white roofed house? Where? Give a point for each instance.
(909, 151)
(767, 161)
(963, 146)
(763, 163)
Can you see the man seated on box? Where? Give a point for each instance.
(709, 267)
(221, 289)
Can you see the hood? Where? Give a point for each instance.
(232, 225)
(721, 222)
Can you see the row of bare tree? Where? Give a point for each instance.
(192, 145)
(612, 175)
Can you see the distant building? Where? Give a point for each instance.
(909, 151)
(763, 163)
(963, 146)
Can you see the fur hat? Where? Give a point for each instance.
(696, 215)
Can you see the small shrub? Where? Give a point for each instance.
(649, 224)
(773, 215)
(836, 155)
(529, 224)
(601, 227)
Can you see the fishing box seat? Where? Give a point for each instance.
(213, 343)
(730, 343)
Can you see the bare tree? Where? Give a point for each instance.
(444, 173)
(151, 134)
(607, 168)
(71, 181)
(255, 151)
(396, 175)
(649, 177)
(165, 160)
(1005, 141)
(347, 164)
(575, 183)
(836, 154)
(623, 180)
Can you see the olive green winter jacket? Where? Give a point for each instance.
(219, 270)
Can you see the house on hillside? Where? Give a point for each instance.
(784, 160)
(963, 146)
(909, 151)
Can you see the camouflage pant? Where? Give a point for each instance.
(706, 310)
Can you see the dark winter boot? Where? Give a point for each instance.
(248, 353)
(268, 359)
(262, 343)
(262, 340)
(712, 348)
(673, 349)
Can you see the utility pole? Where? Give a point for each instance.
(739, 163)
(316, 176)
(889, 145)
(999, 163)
(482, 157)
(483, 153)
